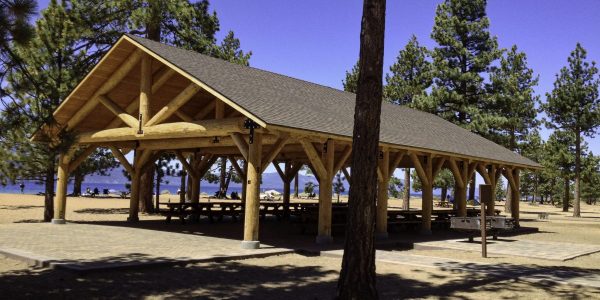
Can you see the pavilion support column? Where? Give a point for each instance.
(460, 198)
(325, 194)
(382, 196)
(491, 209)
(424, 168)
(252, 205)
(61, 189)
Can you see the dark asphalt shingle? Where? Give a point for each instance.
(281, 100)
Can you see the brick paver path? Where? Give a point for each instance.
(561, 275)
(517, 247)
(98, 246)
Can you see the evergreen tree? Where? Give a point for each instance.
(513, 101)
(351, 81)
(573, 105)
(559, 162)
(99, 162)
(14, 29)
(42, 73)
(338, 185)
(464, 54)
(410, 75)
(590, 179)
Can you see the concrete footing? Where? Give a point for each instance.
(59, 221)
(324, 239)
(250, 244)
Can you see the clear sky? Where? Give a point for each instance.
(318, 40)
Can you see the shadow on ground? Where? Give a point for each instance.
(18, 207)
(241, 279)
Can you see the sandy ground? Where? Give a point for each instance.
(292, 276)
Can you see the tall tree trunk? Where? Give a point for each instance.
(507, 204)
(576, 203)
(49, 190)
(296, 180)
(357, 277)
(566, 195)
(406, 195)
(472, 185)
(77, 182)
(157, 188)
(182, 186)
(227, 181)
(222, 177)
(444, 192)
(535, 187)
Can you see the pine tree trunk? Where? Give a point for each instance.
(296, 180)
(182, 187)
(49, 190)
(472, 185)
(507, 204)
(222, 177)
(406, 195)
(566, 195)
(357, 277)
(157, 188)
(443, 196)
(576, 203)
(77, 182)
(227, 181)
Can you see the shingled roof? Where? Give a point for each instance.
(281, 100)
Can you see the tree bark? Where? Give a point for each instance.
(357, 277)
(576, 203)
(406, 195)
(286, 190)
(444, 192)
(296, 179)
(49, 190)
(157, 188)
(566, 195)
(77, 182)
(222, 177)
(508, 203)
(472, 185)
(182, 187)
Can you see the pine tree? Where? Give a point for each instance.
(411, 74)
(99, 162)
(42, 73)
(513, 103)
(464, 54)
(573, 105)
(559, 162)
(351, 81)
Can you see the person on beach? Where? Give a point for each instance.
(22, 186)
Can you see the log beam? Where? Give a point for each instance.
(179, 100)
(106, 87)
(164, 131)
(118, 111)
(145, 89)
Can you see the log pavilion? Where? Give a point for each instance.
(151, 98)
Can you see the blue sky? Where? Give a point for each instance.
(319, 40)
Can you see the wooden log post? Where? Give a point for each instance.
(325, 194)
(382, 195)
(287, 175)
(515, 182)
(424, 170)
(252, 205)
(61, 189)
(490, 177)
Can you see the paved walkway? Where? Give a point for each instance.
(88, 247)
(517, 247)
(561, 275)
